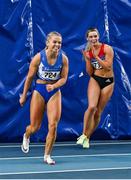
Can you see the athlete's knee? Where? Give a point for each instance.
(92, 108)
(33, 128)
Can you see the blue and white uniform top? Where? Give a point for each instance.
(49, 72)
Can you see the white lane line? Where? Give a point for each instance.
(67, 171)
(69, 156)
(70, 144)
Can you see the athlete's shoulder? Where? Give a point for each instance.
(108, 48)
(64, 56)
(36, 56)
(64, 59)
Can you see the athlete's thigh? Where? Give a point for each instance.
(54, 107)
(93, 92)
(106, 94)
(37, 108)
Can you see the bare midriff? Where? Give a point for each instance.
(104, 73)
(40, 81)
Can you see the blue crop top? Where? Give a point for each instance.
(49, 72)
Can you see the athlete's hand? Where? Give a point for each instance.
(94, 53)
(22, 100)
(50, 87)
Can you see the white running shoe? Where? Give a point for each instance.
(25, 144)
(48, 160)
(86, 143)
(81, 139)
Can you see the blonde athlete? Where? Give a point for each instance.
(50, 66)
(99, 61)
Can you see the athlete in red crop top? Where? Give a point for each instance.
(99, 61)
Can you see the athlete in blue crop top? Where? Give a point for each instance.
(99, 61)
(50, 66)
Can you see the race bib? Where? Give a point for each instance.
(96, 65)
(48, 74)
(51, 75)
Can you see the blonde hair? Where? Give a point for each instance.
(50, 35)
(87, 48)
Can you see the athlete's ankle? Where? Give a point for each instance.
(46, 156)
(27, 136)
(48, 160)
